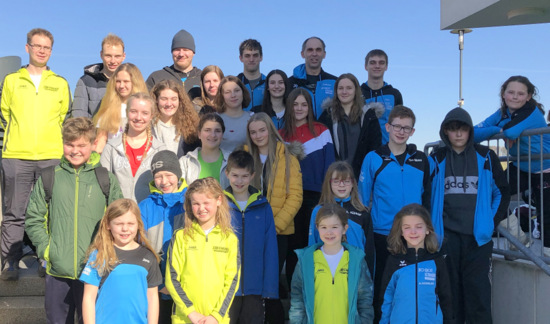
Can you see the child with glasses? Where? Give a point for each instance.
(340, 187)
(394, 175)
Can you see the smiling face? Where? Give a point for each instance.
(232, 95)
(516, 95)
(210, 84)
(259, 134)
(166, 181)
(331, 231)
(40, 50)
(400, 137)
(123, 85)
(183, 58)
(276, 86)
(414, 230)
(204, 209)
(112, 56)
(139, 115)
(168, 102)
(239, 179)
(124, 230)
(78, 151)
(300, 110)
(376, 67)
(211, 135)
(341, 188)
(345, 91)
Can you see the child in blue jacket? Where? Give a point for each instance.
(253, 223)
(162, 214)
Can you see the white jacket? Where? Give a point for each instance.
(191, 167)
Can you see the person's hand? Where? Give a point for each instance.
(196, 317)
(164, 291)
(208, 320)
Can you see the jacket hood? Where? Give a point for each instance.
(91, 164)
(297, 149)
(93, 69)
(461, 115)
(385, 87)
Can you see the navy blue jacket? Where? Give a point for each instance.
(389, 97)
(393, 186)
(324, 88)
(416, 289)
(255, 229)
(256, 95)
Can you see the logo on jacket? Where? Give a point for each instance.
(221, 249)
(402, 263)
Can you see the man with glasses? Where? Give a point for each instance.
(376, 90)
(392, 176)
(34, 103)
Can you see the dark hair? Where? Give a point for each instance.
(396, 244)
(267, 107)
(338, 112)
(289, 128)
(211, 117)
(401, 111)
(531, 89)
(220, 102)
(376, 52)
(251, 45)
(454, 125)
(240, 159)
(313, 37)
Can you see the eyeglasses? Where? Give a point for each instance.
(38, 48)
(339, 182)
(398, 128)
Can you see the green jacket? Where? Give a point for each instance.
(63, 232)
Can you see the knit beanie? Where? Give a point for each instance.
(166, 161)
(183, 39)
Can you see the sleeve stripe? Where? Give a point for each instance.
(231, 293)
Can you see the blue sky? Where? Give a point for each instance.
(423, 60)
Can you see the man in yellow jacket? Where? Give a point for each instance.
(34, 103)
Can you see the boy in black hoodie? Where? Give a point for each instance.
(470, 195)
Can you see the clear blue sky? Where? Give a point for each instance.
(423, 60)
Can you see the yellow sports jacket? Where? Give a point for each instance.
(32, 118)
(202, 273)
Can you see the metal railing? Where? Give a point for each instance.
(507, 242)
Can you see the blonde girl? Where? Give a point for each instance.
(129, 157)
(122, 272)
(203, 269)
(277, 174)
(175, 119)
(415, 283)
(331, 283)
(111, 115)
(340, 187)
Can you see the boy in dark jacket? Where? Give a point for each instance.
(63, 228)
(470, 195)
(252, 220)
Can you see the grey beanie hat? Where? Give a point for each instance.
(183, 39)
(166, 161)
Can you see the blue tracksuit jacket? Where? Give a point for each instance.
(257, 95)
(324, 88)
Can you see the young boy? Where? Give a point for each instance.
(162, 214)
(63, 227)
(470, 196)
(392, 176)
(252, 220)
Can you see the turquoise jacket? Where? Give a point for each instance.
(359, 287)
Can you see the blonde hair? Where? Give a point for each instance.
(186, 118)
(210, 187)
(106, 258)
(396, 243)
(272, 158)
(113, 40)
(108, 115)
(41, 32)
(340, 170)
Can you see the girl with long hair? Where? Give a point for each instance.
(211, 77)
(122, 274)
(129, 157)
(175, 119)
(275, 94)
(110, 118)
(353, 125)
(204, 262)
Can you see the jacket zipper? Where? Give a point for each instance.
(416, 285)
(76, 222)
(242, 257)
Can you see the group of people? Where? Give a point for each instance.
(179, 199)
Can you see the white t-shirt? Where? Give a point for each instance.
(333, 259)
(242, 204)
(36, 80)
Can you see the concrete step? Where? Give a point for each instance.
(29, 284)
(22, 310)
